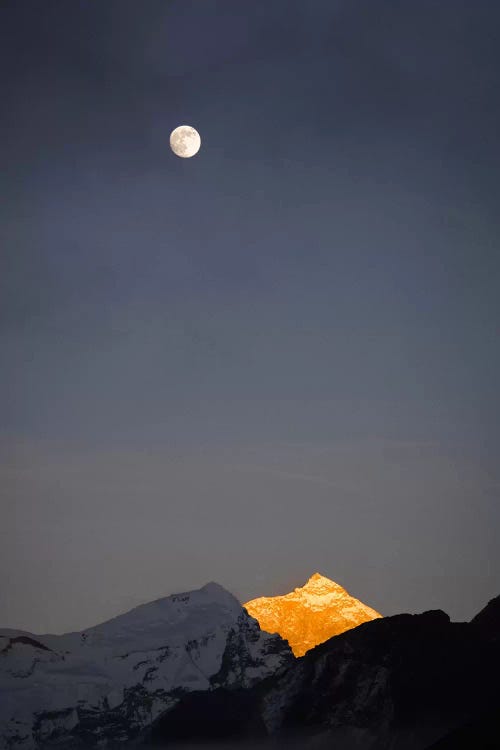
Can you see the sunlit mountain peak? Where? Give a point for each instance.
(320, 583)
(310, 614)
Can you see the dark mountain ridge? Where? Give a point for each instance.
(401, 682)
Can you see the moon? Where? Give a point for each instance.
(185, 141)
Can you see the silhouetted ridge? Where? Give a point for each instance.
(401, 682)
(487, 621)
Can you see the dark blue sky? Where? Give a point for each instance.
(279, 356)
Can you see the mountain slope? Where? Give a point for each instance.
(401, 682)
(310, 615)
(487, 621)
(110, 682)
(398, 682)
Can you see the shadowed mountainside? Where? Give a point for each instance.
(401, 682)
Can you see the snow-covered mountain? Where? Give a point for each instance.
(112, 681)
(311, 614)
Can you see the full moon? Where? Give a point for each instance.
(185, 141)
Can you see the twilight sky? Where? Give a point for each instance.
(277, 357)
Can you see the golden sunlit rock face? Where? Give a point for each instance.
(310, 615)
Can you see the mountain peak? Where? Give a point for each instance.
(191, 641)
(319, 581)
(317, 577)
(311, 614)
